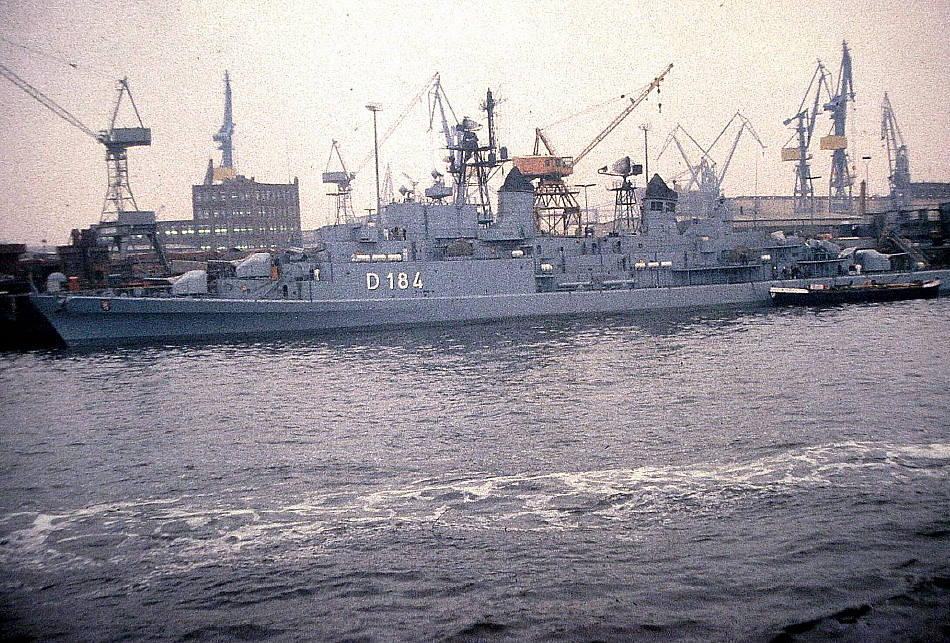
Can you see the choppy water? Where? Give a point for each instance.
(719, 476)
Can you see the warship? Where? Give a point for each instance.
(457, 253)
(434, 263)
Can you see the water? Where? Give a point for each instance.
(717, 476)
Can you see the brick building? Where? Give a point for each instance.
(237, 212)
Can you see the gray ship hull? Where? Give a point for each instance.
(102, 319)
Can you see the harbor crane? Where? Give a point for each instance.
(842, 174)
(804, 124)
(822, 98)
(342, 179)
(555, 207)
(702, 175)
(121, 220)
(899, 178)
(706, 175)
(224, 137)
(898, 161)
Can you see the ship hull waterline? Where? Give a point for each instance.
(102, 319)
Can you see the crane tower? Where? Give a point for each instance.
(224, 137)
(342, 179)
(706, 175)
(121, 221)
(117, 141)
(842, 176)
(804, 125)
(897, 159)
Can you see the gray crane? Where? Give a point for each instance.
(121, 218)
(897, 159)
(804, 122)
(842, 175)
(706, 174)
(224, 136)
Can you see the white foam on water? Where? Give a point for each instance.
(179, 533)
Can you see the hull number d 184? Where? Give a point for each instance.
(395, 280)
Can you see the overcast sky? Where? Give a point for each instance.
(302, 73)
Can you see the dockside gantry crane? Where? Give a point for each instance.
(342, 179)
(842, 174)
(898, 161)
(555, 206)
(804, 121)
(121, 220)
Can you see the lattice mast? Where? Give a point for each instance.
(626, 212)
(470, 163)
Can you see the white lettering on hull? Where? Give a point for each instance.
(395, 280)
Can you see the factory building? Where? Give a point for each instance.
(237, 213)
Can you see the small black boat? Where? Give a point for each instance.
(820, 294)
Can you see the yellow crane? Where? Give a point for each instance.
(556, 207)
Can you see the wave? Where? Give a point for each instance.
(195, 528)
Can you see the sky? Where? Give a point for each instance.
(303, 71)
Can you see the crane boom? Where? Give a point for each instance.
(805, 121)
(694, 170)
(540, 137)
(336, 149)
(46, 101)
(626, 112)
(405, 112)
(746, 125)
(439, 102)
